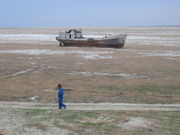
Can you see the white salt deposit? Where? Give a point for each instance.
(96, 56)
(158, 53)
(142, 53)
(149, 40)
(85, 54)
(22, 72)
(33, 98)
(123, 75)
(27, 37)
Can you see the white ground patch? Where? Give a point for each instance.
(34, 70)
(149, 40)
(85, 54)
(22, 72)
(135, 122)
(17, 124)
(123, 75)
(33, 98)
(164, 53)
(142, 53)
(93, 55)
(27, 38)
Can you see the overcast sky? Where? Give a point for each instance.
(52, 13)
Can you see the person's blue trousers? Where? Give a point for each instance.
(61, 104)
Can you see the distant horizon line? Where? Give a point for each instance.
(88, 26)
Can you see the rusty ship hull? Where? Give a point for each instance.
(117, 42)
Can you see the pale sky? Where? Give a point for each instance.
(53, 13)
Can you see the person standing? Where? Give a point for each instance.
(60, 97)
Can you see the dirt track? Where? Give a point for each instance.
(94, 106)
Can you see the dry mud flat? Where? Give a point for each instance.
(146, 70)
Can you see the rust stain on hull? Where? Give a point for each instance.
(113, 43)
(110, 42)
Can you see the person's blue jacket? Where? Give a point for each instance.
(61, 93)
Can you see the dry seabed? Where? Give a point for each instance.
(31, 62)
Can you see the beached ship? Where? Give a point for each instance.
(74, 37)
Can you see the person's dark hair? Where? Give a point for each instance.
(59, 85)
